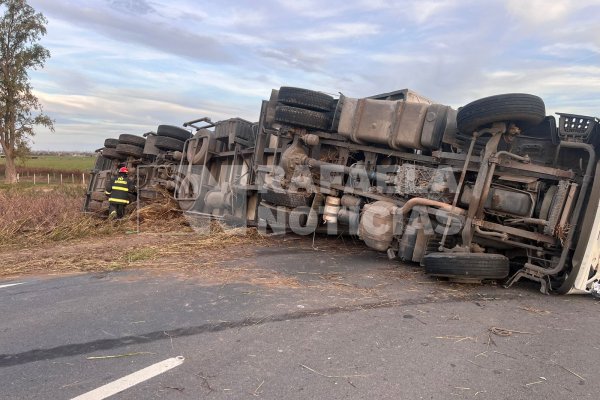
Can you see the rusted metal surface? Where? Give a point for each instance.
(547, 172)
(533, 170)
(538, 237)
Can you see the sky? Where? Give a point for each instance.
(126, 66)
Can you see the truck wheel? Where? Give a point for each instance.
(304, 98)
(129, 150)
(112, 154)
(111, 143)
(523, 109)
(467, 266)
(291, 200)
(168, 143)
(132, 140)
(301, 117)
(174, 132)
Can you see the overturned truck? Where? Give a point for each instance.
(494, 190)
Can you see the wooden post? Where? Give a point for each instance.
(61, 179)
(83, 179)
(34, 178)
(48, 179)
(72, 179)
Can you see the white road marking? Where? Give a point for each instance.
(11, 284)
(131, 380)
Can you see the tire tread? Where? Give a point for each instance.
(526, 109)
(475, 265)
(302, 117)
(304, 98)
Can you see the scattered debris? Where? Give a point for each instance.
(568, 370)
(491, 341)
(137, 353)
(474, 363)
(256, 391)
(536, 382)
(205, 382)
(332, 376)
(534, 310)
(170, 337)
(507, 332)
(505, 355)
(455, 338)
(175, 388)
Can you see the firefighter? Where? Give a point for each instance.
(118, 191)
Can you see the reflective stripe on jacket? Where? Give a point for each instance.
(118, 190)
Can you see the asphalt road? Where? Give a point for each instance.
(335, 324)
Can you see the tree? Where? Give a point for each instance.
(20, 110)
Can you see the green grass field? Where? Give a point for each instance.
(55, 163)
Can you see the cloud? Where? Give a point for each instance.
(136, 7)
(540, 11)
(391, 59)
(152, 32)
(132, 64)
(573, 52)
(339, 31)
(293, 58)
(315, 9)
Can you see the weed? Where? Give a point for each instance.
(33, 215)
(142, 254)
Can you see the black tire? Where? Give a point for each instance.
(467, 265)
(523, 109)
(174, 132)
(304, 98)
(98, 196)
(129, 150)
(168, 143)
(132, 140)
(291, 200)
(301, 117)
(112, 154)
(111, 143)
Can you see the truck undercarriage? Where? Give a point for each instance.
(496, 190)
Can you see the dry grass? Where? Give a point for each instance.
(35, 215)
(161, 215)
(202, 256)
(44, 230)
